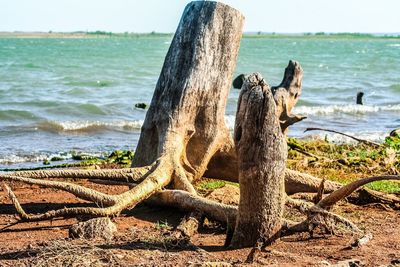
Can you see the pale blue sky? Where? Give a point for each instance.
(163, 15)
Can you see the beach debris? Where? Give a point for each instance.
(359, 242)
(395, 132)
(56, 158)
(102, 228)
(238, 81)
(347, 263)
(347, 135)
(359, 100)
(141, 105)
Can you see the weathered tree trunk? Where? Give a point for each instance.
(185, 123)
(184, 137)
(186, 116)
(262, 152)
(223, 164)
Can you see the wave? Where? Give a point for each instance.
(12, 159)
(13, 114)
(349, 109)
(31, 66)
(395, 87)
(378, 137)
(394, 45)
(89, 126)
(78, 109)
(35, 157)
(98, 83)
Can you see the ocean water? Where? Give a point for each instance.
(64, 96)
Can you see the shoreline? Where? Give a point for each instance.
(104, 34)
(341, 163)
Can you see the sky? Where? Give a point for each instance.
(282, 16)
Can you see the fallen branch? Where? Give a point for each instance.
(347, 135)
(346, 190)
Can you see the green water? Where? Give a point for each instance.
(59, 95)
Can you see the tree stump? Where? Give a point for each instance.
(185, 124)
(186, 117)
(262, 152)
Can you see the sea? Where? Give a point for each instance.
(60, 97)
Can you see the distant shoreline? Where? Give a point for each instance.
(104, 34)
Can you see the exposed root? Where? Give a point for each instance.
(181, 182)
(319, 216)
(79, 191)
(186, 201)
(111, 182)
(124, 175)
(346, 190)
(296, 182)
(364, 196)
(320, 192)
(316, 217)
(160, 177)
(326, 215)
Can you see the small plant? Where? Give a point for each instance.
(161, 226)
(393, 142)
(120, 157)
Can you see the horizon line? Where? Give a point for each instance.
(156, 32)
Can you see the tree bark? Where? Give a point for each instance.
(185, 124)
(262, 152)
(186, 115)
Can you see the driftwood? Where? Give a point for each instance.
(262, 152)
(184, 138)
(347, 135)
(184, 125)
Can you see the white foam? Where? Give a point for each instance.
(352, 109)
(394, 45)
(11, 159)
(92, 125)
(378, 137)
(230, 121)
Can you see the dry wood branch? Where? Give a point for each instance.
(350, 136)
(316, 216)
(346, 190)
(287, 94)
(123, 175)
(320, 192)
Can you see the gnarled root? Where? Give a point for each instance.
(157, 179)
(189, 202)
(346, 190)
(318, 215)
(131, 175)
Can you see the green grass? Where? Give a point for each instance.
(211, 184)
(160, 225)
(385, 186)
